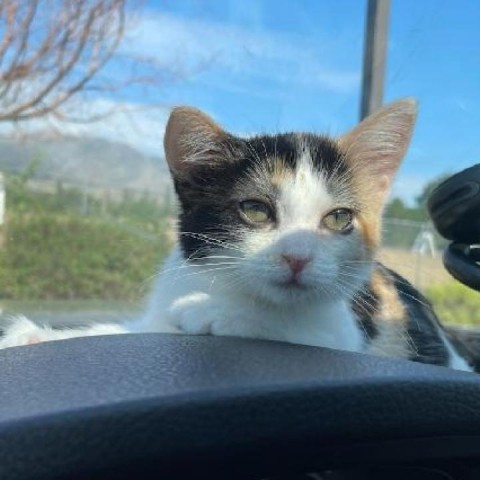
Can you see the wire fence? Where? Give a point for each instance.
(414, 249)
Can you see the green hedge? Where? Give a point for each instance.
(51, 256)
(455, 303)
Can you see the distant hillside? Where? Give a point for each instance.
(85, 161)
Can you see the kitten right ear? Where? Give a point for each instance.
(377, 145)
(192, 139)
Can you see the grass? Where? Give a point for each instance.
(421, 271)
(454, 303)
(64, 245)
(64, 257)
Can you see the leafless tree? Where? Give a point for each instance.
(53, 51)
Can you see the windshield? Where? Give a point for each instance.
(86, 89)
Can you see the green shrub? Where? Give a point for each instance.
(68, 244)
(50, 256)
(455, 303)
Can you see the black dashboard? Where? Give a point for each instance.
(167, 406)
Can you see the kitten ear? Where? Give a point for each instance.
(377, 145)
(192, 139)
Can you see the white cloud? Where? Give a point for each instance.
(192, 46)
(234, 57)
(188, 45)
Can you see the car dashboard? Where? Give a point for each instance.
(172, 406)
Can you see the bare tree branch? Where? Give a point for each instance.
(52, 51)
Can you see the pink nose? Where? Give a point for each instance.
(296, 264)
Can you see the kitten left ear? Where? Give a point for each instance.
(377, 145)
(192, 139)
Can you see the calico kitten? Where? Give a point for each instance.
(277, 240)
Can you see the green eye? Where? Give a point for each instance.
(256, 212)
(339, 220)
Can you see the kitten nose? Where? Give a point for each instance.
(296, 264)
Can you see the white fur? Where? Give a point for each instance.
(456, 361)
(199, 303)
(22, 331)
(304, 197)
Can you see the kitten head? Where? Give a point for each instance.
(285, 217)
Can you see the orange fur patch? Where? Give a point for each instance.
(370, 232)
(391, 307)
(34, 339)
(280, 172)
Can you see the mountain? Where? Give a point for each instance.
(85, 162)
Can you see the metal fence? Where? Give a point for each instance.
(414, 249)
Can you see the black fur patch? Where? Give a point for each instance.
(326, 156)
(423, 326)
(467, 343)
(365, 304)
(209, 197)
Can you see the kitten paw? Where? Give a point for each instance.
(21, 331)
(188, 316)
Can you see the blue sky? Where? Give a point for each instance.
(273, 65)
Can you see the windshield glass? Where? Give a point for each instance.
(86, 90)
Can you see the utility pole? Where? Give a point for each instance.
(374, 56)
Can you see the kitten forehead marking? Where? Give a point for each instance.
(304, 197)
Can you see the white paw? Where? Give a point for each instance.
(22, 331)
(190, 315)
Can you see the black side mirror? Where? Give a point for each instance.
(454, 207)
